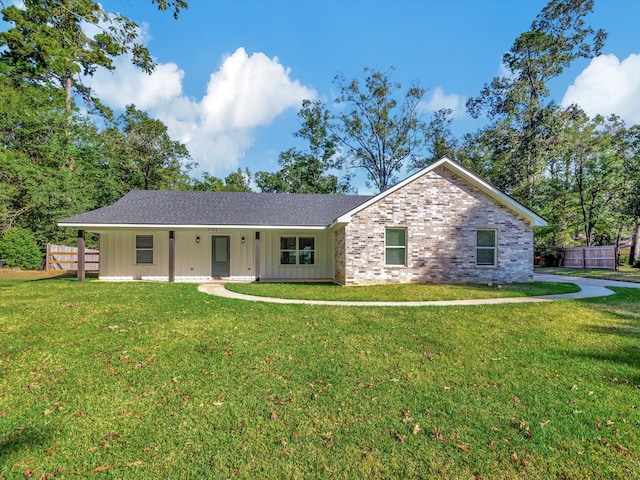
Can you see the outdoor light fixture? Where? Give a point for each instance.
(242, 240)
(197, 239)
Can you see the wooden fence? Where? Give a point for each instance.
(61, 257)
(590, 257)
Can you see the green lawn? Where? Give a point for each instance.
(624, 274)
(400, 292)
(153, 380)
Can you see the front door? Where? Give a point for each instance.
(221, 256)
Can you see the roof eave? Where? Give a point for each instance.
(120, 226)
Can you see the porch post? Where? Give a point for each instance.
(172, 256)
(81, 249)
(256, 255)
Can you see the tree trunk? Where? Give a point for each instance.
(634, 253)
(67, 87)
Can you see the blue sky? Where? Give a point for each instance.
(232, 73)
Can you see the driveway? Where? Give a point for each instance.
(589, 288)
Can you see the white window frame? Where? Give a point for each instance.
(297, 251)
(395, 247)
(485, 248)
(144, 249)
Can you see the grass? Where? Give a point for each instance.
(624, 274)
(152, 380)
(400, 292)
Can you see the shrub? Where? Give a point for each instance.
(19, 249)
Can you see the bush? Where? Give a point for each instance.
(19, 249)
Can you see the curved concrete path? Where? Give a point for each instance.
(589, 287)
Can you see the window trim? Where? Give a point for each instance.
(493, 248)
(144, 249)
(297, 251)
(396, 247)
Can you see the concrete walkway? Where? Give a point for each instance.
(589, 287)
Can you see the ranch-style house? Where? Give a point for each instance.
(444, 224)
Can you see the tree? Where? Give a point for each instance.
(632, 208)
(519, 101)
(237, 181)
(306, 171)
(49, 42)
(19, 249)
(208, 183)
(377, 132)
(597, 171)
(156, 161)
(32, 148)
(440, 141)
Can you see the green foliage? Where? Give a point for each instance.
(307, 171)
(177, 5)
(440, 140)
(379, 132)
(153, 160)
(48, 44)
(55, 162)
(518, 102)
(581, 174)
(19, 249)
(238, 181)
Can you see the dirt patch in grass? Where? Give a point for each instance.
(18, 274)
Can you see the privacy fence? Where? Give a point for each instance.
(61, 257)
(590, 257)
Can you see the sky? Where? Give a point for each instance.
(232, 74)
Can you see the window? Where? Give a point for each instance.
(486, 247)
(395, 246)
(144, 249)
(288, 250)
(297, 250)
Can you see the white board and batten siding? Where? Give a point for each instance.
(193, 258)
(118, 260)
(322, 269)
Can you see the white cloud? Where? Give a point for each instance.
(245, 92)
(250, 91)
(440, 100)
(128, 84)
(608, 86)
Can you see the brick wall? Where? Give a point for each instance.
(339, 269)
(441, 213)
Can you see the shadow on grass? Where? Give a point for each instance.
(66, 276)
(625, 356)
(624, 310)
(23, 438)
(10, 281)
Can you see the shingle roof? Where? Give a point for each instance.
(158, 207)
